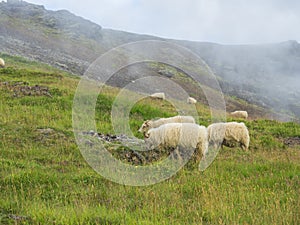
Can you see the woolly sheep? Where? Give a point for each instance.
(185, 135)
(156, 123)
(220, 133)
(191, 100)
(239, 114)
(2, 63)
(159, 95)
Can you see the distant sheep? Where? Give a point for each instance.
(185, 135)
(156, 123)
(222, 133)
(191, 100)
(239, 114)
(2, 63)
(159, 95)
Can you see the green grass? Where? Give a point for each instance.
(45, 180)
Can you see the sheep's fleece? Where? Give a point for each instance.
(191, 100)
(2, 63)
(239, 114)
(186, 135)
(156, 123)
(159, 95)
(231, 131)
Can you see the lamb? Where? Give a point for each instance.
(159, 95)
(156, 123)
(2, 63)
(185, 135)
(239, 114)
(222, 133)
(191, 100)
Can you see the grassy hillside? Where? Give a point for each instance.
(45, 180)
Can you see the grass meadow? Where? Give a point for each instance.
(45, 180)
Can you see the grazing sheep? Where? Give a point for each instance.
(222, 133)
(191, 100)
(2, 63)
(185, 135)
(239, 114)
(156, 123)
(159, 95)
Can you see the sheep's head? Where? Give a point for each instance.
(145, 127)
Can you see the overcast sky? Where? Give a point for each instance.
(220, 21)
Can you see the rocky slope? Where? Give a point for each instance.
(266, 75)
(59, 38)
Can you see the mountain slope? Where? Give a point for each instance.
(58, 38)
(265, 75)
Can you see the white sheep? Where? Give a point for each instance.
(156, 123)
(191, 100)
(2, 63)
(222, 133)
(159, 95)
(239, 114)
(172, 135)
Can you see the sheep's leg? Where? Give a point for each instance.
(176, 154)
(220, 144)
(244, 147)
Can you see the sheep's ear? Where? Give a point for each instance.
(147, 122)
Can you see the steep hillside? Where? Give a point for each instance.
(263, 75)
(46, 180)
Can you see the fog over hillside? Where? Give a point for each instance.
(265, 74)
(268, 74)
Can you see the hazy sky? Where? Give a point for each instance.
(221, 21)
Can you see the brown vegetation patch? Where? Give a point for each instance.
(291, 141)
(21, 88)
